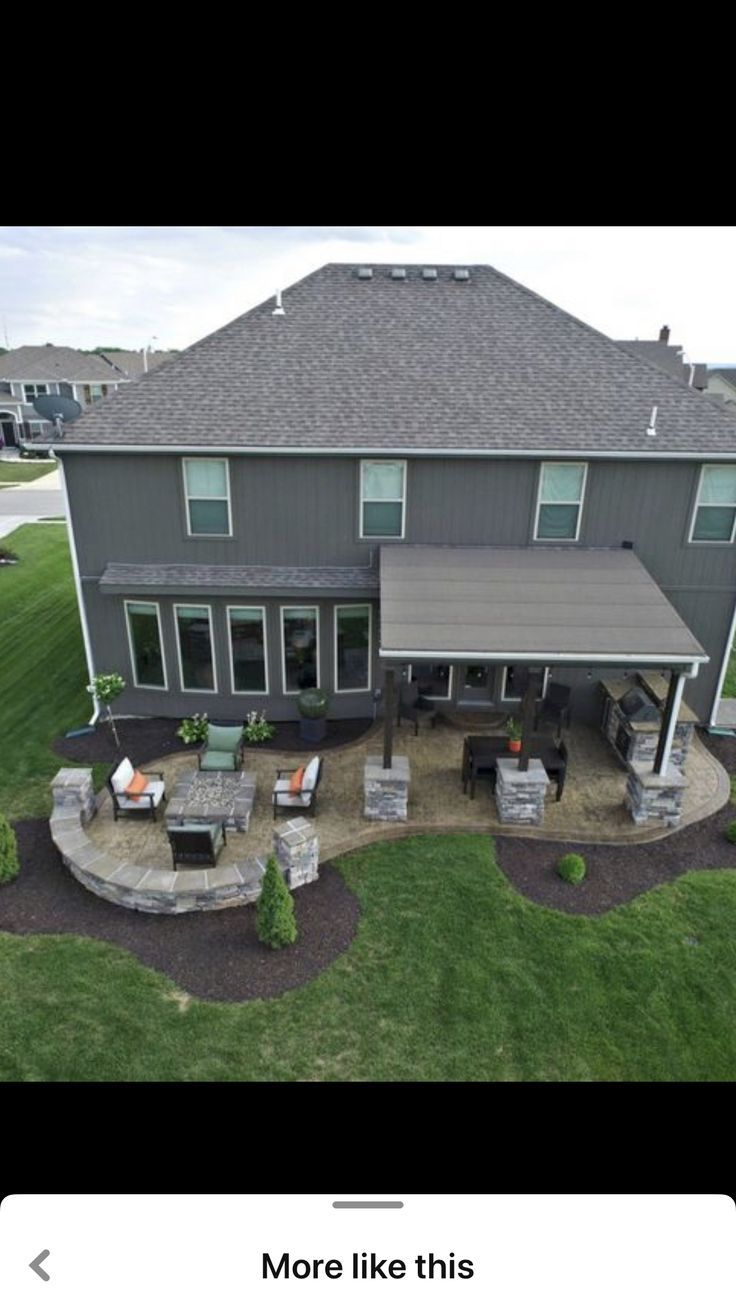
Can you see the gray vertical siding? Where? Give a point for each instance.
(130, 508)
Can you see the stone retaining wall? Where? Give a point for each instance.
(160, 890)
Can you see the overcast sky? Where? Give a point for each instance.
(132, 286)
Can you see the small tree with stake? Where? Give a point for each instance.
(275, 909)
(106, 687)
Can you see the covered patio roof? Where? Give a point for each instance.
(538, 604)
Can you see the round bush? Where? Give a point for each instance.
(571, 867)
(9, 861)
(731, 832)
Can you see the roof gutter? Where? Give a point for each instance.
(393, 451)
(690, 661)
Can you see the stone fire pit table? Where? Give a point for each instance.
(225, 797)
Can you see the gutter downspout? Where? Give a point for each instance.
(78, 587)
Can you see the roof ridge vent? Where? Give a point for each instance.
(429, 274)
(365, 274)
(461, 275)
(398, 274)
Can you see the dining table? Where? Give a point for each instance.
(481, 755)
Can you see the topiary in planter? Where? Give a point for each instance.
(313, 704)
(9, 861)
(571, 867)
(275, 921)
(730, 832)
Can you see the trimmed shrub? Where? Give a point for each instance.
(275, 919)
(571, 867)
(731, 832)
(9, 861)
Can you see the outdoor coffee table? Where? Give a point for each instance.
(225, 797)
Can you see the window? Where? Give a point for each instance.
(207, 489)
(561, 490)
(512, 682)
(93, 393)
(382, 498)
(248, 651)
(146, 645)
(32, 389)
(300, 649)
(715, 508)
(352, 647)
(196, 658)
(434, 680)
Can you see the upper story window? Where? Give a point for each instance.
(560, 504)
(92, 393)
(32, 389)
(714, 518)
(207, 492)
(382, 498)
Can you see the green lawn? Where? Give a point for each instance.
(453, 976)
(729, 684)
(42, 669)
(13, 470)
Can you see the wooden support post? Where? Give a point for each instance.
(389, 708)
(527, 719)
(669, 722)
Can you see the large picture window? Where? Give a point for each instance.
(514, 681)
(196, 655)
(715, 509)
(382, 498)
(352, 647)
(561, 491)
(300, 649)
(207, 489)
(146, 646)
(433, 680)
(248, 651)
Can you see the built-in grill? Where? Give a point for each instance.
(636, 706)
(632, 720)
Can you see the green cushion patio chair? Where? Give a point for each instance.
(222, 751)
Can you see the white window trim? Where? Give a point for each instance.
(140, 685)
(560, 463)
(196, 690)
(230, 608)
(402, 501)
(441, 699)
(355, 690)
(46, 390)
(282, 610)
(691, 539)
(200, 535)
(516, 699)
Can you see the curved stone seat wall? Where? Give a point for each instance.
(160, 890)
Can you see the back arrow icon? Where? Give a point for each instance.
(36, 1265)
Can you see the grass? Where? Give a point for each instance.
(729, 684)
(453, 976)
(15, 471)
(42, 671)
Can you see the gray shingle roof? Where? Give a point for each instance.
(386, 364)
(181, 577)
(39, 363)
(729, 374)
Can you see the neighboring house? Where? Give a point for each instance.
(134, 363)
(48, 370)
(722, 383)
(670, 358)
(287, 502)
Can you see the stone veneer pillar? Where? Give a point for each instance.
(296, 847)
(652, 798)
(520, 795)
(386, 790)
(73, 793)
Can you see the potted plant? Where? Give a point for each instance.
(313, 704)
(513, 729)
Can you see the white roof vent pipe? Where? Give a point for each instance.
(652, 428)
(278, 312)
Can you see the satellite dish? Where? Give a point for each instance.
(58, 409)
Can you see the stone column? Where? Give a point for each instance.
(386, 790)
(296, 847)
(73, 793)
(520, 795)
(655, 798)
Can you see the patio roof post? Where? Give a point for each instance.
(389, 708)
(669, 722)
(527, 719)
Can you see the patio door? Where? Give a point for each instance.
(476, 684)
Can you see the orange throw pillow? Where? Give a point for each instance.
(136, 787)
(295, 784)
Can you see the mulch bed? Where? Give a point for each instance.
(145, 739)
(213, 955)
